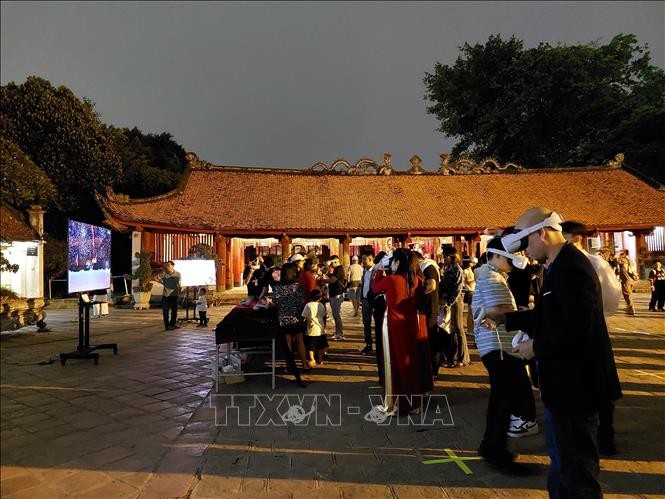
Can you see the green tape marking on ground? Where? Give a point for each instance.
(453, 458)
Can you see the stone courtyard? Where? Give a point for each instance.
(143, 423)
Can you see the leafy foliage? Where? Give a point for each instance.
(55, 257)
(204, 251)
(7, 293)
(143, 273)
(23, 182)
(6, 265)
(152, 164)
(55, 150)
(553, 106)
(64, 136)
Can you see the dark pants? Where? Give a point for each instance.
(336, 307)
(169, 303)
(658, 296)
(571, 442)
(203, 319)
(456, 348)
(457, 329)
(367, 320)
(439, 344)
(378, 312)
(510, 393)
(606, 423)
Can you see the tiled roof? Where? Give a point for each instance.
(235, 200)
(13, 225)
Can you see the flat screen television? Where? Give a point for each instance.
(89, 257)
(196, 272)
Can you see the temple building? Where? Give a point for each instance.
(23, 245)
(343, 208)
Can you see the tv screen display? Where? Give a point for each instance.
(89, 257)
(196, 272)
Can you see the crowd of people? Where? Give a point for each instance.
(535, 302)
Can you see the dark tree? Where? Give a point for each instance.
(553, 106)
(22, 181)
(153, 164)
(63, 135)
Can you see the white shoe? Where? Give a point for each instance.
(520, 428)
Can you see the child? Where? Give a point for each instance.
(315, 317)
(202, 308)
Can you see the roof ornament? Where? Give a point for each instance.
(116, 196)
(196, 163)
(466, 166)
(387, 167)
(416, 168)
(617, 162)
(363, 166)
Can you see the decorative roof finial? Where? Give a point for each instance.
(416, 169)
(617, 162)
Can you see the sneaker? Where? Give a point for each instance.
(169, 328)
(175, 327)
(520, 428)
(367, 350)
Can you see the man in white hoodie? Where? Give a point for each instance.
(574, 233)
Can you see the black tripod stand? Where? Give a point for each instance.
(84, 350)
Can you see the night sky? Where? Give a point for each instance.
(285, 84)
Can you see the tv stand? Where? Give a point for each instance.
(84, 350)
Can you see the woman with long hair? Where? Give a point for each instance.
(407, 370)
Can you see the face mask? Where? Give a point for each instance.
(518, 261)
(519, 240)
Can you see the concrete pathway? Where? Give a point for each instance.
(147, 422)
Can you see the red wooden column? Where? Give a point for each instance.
(345, 250)
(641, 250)
(228, 268)
(474, 245)
(220, 252)
(148, 242)
(238, 262)
(286, 248)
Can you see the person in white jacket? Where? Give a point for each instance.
(574, 233)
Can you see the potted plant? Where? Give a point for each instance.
(143, 274)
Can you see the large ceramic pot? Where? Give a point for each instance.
(141, 299)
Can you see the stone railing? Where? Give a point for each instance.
(20, 312)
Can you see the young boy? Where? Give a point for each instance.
(315, 317)
(202, 307)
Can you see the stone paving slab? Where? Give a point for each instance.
(142, 423)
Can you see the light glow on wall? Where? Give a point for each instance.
(25, 282)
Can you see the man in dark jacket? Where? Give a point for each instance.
(572, 348)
